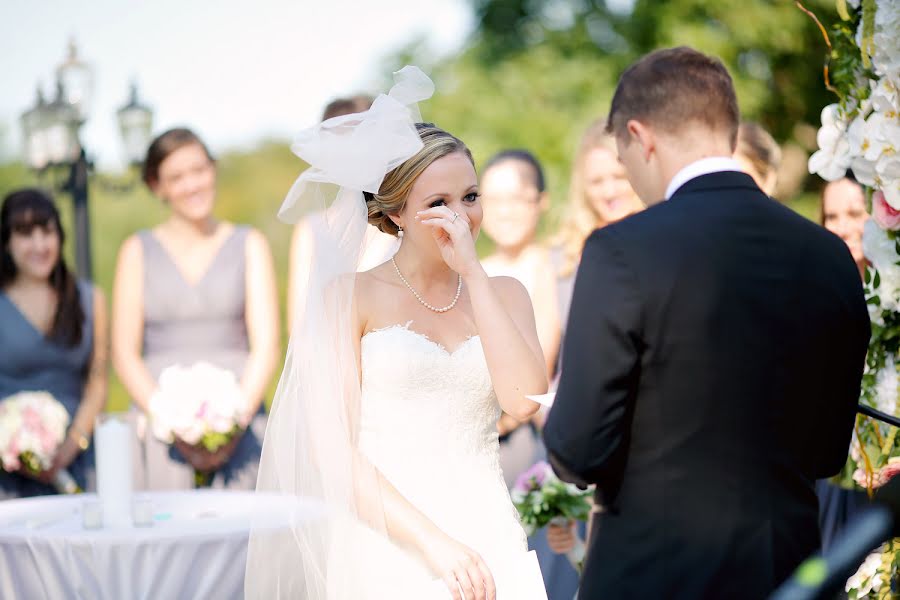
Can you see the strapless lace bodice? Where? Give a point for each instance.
(428, 423)
(424, 402)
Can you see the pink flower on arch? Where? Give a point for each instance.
(886, 216)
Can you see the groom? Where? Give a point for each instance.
(712, 361)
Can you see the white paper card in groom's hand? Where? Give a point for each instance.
(543, 399)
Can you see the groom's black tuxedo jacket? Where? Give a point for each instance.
(710, 373)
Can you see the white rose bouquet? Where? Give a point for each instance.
(199, 408)
(32, 428)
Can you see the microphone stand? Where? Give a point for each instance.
(877, 414)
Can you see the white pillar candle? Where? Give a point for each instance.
(113, 443)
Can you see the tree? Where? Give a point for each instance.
(536, 72)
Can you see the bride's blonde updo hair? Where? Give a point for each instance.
(394, 190)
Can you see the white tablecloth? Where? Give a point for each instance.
(196, 547)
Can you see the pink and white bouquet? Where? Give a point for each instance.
(201, 405)
(32, 427)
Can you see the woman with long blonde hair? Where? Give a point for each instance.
(599, 194)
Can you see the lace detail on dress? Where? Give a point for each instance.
(429, 423)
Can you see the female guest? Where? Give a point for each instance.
(53, 332)
(193, 289)
(514, 198)
(759, 155)
(843, 212)
(599, 194)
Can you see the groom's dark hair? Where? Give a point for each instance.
(672, 88)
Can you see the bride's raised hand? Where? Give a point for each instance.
(453, 234)
(462, 570)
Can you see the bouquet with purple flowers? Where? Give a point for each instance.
(541, 497)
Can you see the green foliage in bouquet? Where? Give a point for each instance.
(214, 440)
(31, 463)
(540, 497)
(63, 483)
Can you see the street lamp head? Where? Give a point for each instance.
(61, 129)
(135, 126)
(78, 82)
(34, 122)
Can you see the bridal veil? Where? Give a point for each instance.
(310, 448)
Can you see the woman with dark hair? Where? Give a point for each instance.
(53, 331)
(195, 289)
(514, 198)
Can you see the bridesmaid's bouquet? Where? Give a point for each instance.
(32, 427)
(541, 497)
(201, 405)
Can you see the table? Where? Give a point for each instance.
(196, 546)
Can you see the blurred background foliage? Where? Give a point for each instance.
(533, 75)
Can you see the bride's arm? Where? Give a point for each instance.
(407, 526)
(504, 318)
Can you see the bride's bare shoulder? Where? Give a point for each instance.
(373, 284)
(374, 277)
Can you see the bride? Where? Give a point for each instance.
(384, 423)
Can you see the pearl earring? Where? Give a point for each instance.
(399, 232)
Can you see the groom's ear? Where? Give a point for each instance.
(639, 133)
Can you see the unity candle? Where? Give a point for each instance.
(113, 443)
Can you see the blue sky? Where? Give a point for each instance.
(235, 70)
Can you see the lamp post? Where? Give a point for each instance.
(51, 141)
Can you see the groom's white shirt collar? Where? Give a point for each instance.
(704, 166)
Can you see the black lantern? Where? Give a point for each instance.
(135, 127)
(51, 140)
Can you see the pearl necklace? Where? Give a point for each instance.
(419, 298)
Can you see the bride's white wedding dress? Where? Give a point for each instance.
(423, 416)
(428, 423)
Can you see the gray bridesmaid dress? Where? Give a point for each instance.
(31, 362)
(186, 323)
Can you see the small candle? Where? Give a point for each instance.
(143, 513)
(91, 515)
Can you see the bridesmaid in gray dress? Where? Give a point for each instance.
(194, 289)
(52, 336)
